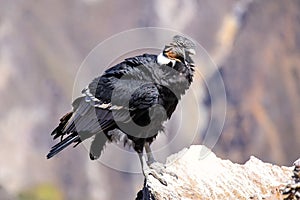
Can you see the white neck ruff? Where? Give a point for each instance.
(163, 60)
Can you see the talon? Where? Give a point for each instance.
(161, 180)
(161, 169)
(154, 173)
(164, 182)
(172, 174)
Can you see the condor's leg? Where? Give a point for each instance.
(149, 153)
(153, 164)
(149, 171)
(97, 145)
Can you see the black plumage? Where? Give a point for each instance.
(130, 101)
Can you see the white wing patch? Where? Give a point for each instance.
(90, 98)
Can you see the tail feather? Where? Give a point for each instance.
(63, 144)
(84, 122)
(64, 141)
(58, 131)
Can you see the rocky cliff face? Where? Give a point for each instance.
(202, 175)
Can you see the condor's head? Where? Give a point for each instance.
(179, 50)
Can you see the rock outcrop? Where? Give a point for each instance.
(202, 175)
(292, 189)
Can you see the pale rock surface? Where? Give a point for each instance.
(202, 175)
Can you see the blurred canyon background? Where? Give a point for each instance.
(255, 43)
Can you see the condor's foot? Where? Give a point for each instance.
(157, 170)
